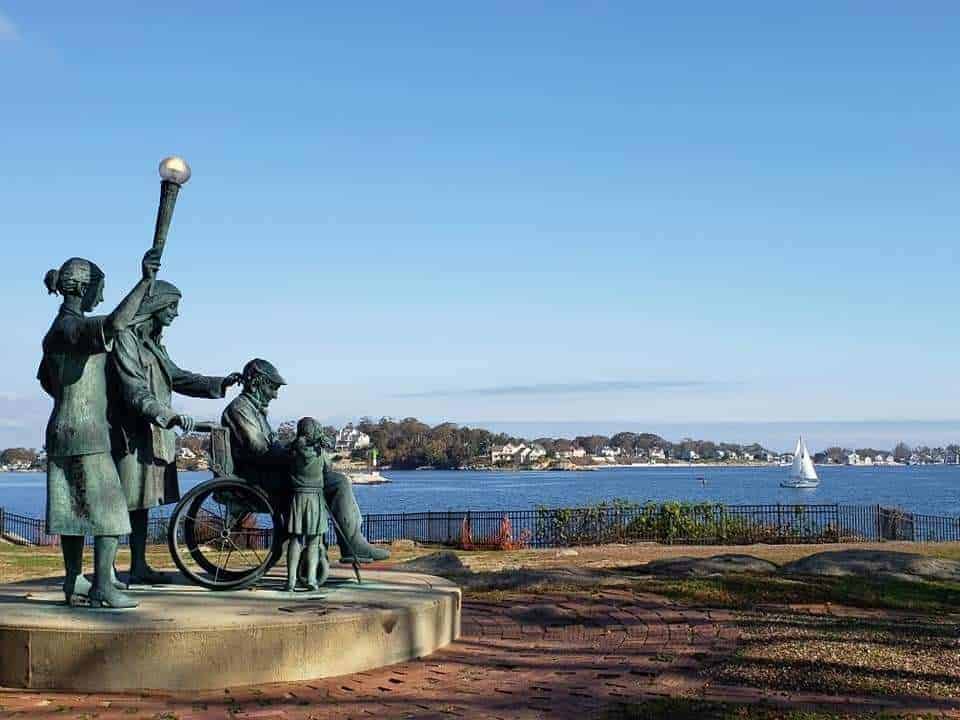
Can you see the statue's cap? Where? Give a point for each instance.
(258, 366)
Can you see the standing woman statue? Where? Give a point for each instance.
(144, 445)
(84, 495)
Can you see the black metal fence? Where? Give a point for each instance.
(669, 523)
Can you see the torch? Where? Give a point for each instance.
(174, 172)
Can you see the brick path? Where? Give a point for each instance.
(562, 654)
(556, 655)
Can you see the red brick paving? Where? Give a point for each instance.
(556, 655)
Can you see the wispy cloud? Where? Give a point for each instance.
(576, 388)
(8, 31)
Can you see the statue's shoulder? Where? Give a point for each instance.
(238, 404)
(241, 407)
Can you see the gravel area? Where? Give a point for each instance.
(888, 655)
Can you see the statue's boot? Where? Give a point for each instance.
(103, 594)
(338, 494)
(323, 567)
(343, 506)
(76, 588)
(358, 548)
(296, 564)
(115, 580)
(140, 572)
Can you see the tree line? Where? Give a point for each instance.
(410, 443)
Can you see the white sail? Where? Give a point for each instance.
(802, 473)
(808, 472)
(796, 470)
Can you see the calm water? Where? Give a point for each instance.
(931, 489)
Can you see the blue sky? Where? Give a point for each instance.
(585, 213)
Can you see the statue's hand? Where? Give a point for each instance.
(231, 380)
(150, 264)
(185, 423)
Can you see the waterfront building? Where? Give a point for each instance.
(350, 439)
(537, 452)
(518, 453)
(658, 454)
(573, 451)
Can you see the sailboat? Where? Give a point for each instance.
(802, 473)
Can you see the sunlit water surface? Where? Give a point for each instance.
(930, 489)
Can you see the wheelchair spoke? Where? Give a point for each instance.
(222, 566)
(241, 551)
(224, 535)
(216, 574)
(211, 511)
(202, 523)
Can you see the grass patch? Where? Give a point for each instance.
(680, 709)
(27, 562)
(743, 591)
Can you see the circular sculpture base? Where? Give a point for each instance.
(183, 637)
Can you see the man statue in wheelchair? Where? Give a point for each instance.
(259, 457)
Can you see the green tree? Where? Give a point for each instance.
(592, 443)
(18, 456)
(902, 452)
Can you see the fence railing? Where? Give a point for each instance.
(670, 523)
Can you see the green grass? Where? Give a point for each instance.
(680, 709)
(747, 591)
(26, 562)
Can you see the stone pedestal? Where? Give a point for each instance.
(183, 637)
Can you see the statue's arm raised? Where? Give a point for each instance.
(123, 314)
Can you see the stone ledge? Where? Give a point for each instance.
(186, 638)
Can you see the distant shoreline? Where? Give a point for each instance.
(655, 466)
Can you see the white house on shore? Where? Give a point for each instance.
(657, 454)
(572, 452)
(350, 439)
(520, 453)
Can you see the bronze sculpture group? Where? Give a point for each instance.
(110, 439)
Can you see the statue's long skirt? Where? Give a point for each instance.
(84, 496)
(148, 484)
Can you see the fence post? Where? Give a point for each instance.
(3, 521)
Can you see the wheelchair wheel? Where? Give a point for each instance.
(225, 534)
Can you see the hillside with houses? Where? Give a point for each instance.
(411, 444)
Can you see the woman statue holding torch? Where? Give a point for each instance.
(144, 379)
(144, 445)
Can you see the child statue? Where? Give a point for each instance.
(307, 521)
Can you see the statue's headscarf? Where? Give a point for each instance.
(163, 294)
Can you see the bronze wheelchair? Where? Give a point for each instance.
(227, 532)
